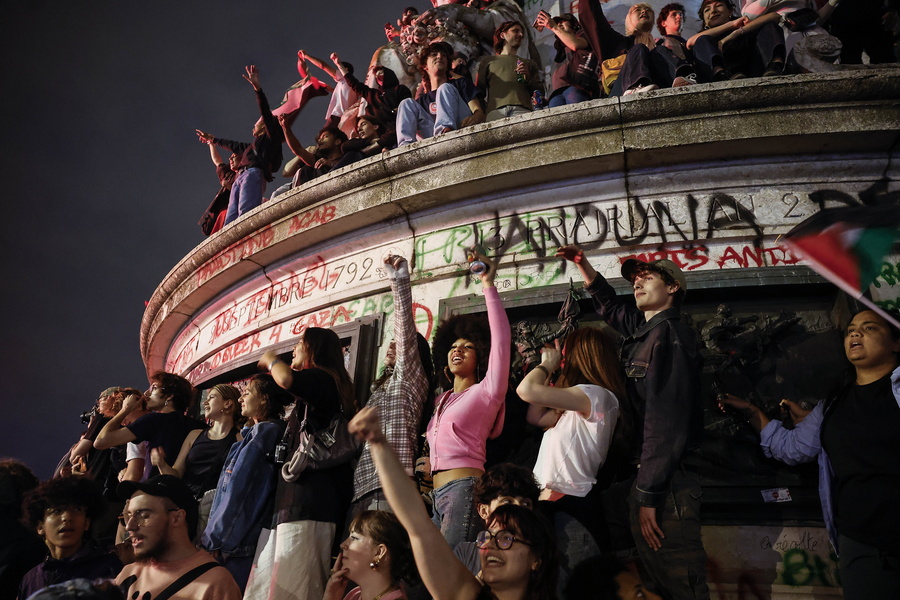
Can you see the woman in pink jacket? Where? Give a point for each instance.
(476, 365)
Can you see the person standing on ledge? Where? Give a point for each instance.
(259, 158)
(662, 366)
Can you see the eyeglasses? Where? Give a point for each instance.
(504, 539)
(141, 516)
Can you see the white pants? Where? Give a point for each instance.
(291, 562)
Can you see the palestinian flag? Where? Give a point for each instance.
(848, 245)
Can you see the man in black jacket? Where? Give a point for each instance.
(662, 365)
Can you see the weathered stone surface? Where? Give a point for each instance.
(663, 142)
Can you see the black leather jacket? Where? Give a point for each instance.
(662, 367)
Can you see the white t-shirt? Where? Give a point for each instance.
(139, 450)
(573, 450)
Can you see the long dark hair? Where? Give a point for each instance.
(326, 353)
(531, 527)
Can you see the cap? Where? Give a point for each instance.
(632, 266)
(165, 486)
(109, 391)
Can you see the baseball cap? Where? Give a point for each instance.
(633, 266)
(165, 486)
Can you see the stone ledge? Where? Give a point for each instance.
(845, 112)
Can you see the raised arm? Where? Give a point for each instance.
(572, 41)
(281, 371)
(215, 156)
(318, 62)
(442, 573)
(534, 389)
(496, 378)
(294, 144)
(113, 434)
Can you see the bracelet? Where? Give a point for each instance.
(273, 363)
(544, 369)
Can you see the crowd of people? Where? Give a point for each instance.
(592, 60)
(287, 471)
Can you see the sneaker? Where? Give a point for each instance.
(737, 76)
(639, 89)
(721, 75)
(776, 67)
(681, 81)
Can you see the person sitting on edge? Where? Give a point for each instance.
(506, 80)
(735, 48)
(381, 101)
(61, 511)
(160, 515)
(341, 112)
(448, 105)
(214, 218)
(259, 159)
(325, 156)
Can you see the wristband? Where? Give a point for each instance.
(273, 363)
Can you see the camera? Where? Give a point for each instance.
(87, 415)
(279, 455)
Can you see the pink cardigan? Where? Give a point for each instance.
(463, 422)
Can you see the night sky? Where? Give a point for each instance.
(103, 179)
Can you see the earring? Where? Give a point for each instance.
(374, 564)
(448, 374)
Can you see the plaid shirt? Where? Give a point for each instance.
(399, 400)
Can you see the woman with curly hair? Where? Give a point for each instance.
(579, 415)
(376, 556)
(243, 500)
(310, 506)
(474, 360)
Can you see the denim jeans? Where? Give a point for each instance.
(447, 112)
(510, 110)
(246, 193)
(454, 511)
(678, 569)
(571, 95)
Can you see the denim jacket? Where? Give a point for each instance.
(243, 501)
(662, 367)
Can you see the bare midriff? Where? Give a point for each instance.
(442, 478)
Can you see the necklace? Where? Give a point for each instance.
(386, 590)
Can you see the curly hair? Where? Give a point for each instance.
(506, 479)
(664, 14)
(61, 492)
(435, 48)
(179, 388)
(16, 479)
(382, 527)
(474, 328)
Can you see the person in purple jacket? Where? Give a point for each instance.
(471, 411)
